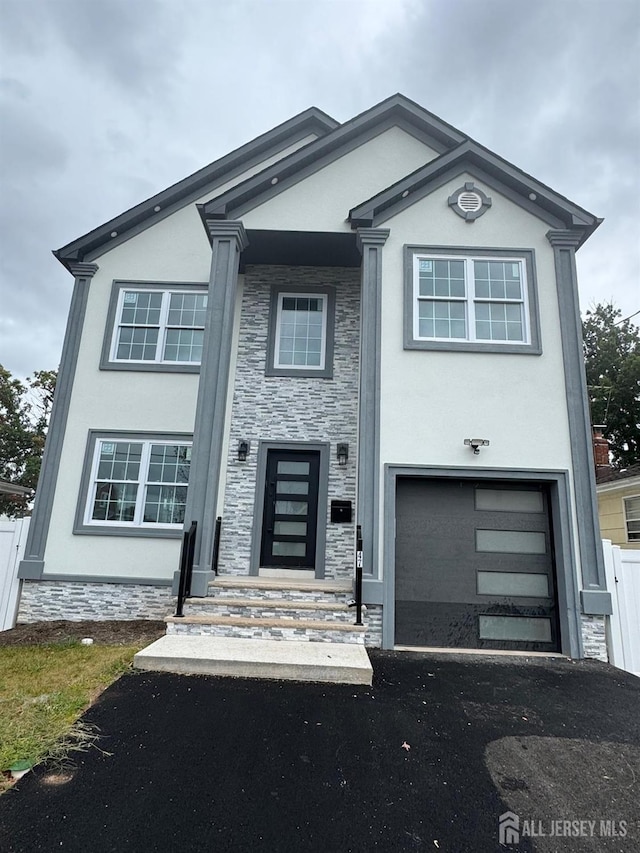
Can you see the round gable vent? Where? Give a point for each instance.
(469, 202)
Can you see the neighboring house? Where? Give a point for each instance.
(368, 324)
(13, 490)
(619, 506)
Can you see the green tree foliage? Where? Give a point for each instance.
(24, 415)
(612, 356)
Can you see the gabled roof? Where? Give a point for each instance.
(396, 110)
(613, 476)
(522, 188)
(142, 215)
(455, 150)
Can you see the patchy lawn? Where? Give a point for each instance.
(48, 678)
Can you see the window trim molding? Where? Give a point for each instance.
(80, 527)
(106, 362)
(303, 371)
(626, 498)
(527, 256)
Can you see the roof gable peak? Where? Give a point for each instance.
(519, 186)
(309, 121)
(396, 110)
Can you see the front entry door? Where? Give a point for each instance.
(290, 516)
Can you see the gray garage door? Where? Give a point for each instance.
(474, 565)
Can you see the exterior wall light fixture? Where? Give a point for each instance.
(342, 452)
(243, 450)
(476, 443)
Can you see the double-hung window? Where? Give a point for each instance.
(301, 332)
(632, 518)
(479, 300)
(156, 328)
(136, 484)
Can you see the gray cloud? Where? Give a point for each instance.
(108, 101)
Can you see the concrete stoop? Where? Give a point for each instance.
(338, 663)
(255, 627)
(272, 609)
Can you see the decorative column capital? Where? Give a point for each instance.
(371, 237)
(82, 270)
(229, 228)
(565, 238)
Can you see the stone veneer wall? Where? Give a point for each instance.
(281, 408)
(372, 618)
(594, 637)
(43, 601)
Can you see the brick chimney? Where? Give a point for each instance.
(600, 450)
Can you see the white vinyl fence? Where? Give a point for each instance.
(623, 626)
(13, 536)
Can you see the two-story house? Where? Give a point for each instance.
(372, 324)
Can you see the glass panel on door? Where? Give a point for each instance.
(290, 509)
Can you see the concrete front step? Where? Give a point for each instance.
(245, 586)
(338, 663)
(275, 628)
(262, 608)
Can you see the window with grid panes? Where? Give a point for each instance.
(138, 483)
(301, 331)
(470, 299)
(159, 326)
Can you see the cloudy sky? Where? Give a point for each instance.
(106, 102)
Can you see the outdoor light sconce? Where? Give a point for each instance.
(476, 443)
(342, 453)
(243, 450)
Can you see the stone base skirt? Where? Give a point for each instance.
(594, 639)
(45, 601)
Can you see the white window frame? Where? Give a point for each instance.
(290, 294)
(142, 483)
(163, 325)
(470, 300)
(636, 538)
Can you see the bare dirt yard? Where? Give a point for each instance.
(116, 633)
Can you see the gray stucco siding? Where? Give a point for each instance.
(292, 409)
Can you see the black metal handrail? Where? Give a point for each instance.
(359, 562)
(186, 566)
(216, 544)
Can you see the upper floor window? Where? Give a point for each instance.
(301, 332)
(632, 518)
(133, 482)
(479, 300)
(152, 328)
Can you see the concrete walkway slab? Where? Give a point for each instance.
(291, 660)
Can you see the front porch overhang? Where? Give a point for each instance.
(301, 248)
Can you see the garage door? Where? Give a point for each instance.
(474, 565)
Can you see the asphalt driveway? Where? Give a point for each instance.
(429, 758)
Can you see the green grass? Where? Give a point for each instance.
(43, 691)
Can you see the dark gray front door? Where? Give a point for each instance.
(474, 565)
(290, 517)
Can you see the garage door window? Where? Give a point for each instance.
(513, 583)
(511, 541)
(515, 628)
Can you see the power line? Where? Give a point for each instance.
(630, 317)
